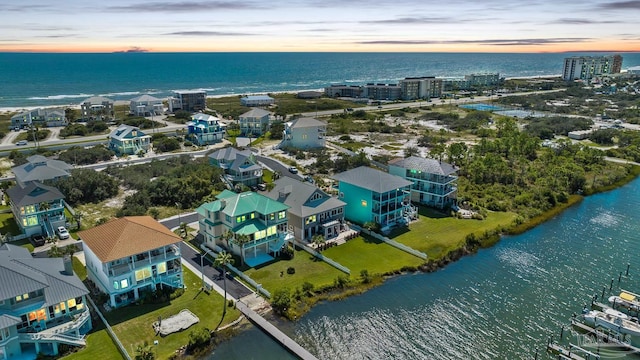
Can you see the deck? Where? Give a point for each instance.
(275, 333)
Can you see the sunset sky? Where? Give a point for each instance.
(319, 25)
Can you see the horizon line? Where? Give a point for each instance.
(328, 52)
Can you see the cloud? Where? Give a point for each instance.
(207, 33)
(621, 5)
(413, 20)
(186, 6)
(581, 21)
(133, 49)
(24, 8)
(499, 42)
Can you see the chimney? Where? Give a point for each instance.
(68, 265)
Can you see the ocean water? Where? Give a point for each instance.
(46, 79)
(502, 303)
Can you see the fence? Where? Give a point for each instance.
(324, 258)
(246, 278)
(393, 243)
(113, 336)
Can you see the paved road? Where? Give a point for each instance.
(234, 287)
(174, 222)
(278, 166)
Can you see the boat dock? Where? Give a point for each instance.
(275, 333)
(603, 336)
(562, 352)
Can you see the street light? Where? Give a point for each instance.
(179, 206)
(206, 252)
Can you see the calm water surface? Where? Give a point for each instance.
(502, 303)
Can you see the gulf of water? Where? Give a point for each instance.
(502, 303)
(44, 79)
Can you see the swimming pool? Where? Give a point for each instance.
(482, 107)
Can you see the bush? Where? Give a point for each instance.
(307, 287)
(291, 270)
(198, 339)
(281, 300)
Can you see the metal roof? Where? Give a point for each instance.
(40, 168)
(297, 195)
(33, 193)
(122, 131)
(255, 113)
(431, 166)
(146, 98)
(233, 204)
(97, 100)
(372, 179)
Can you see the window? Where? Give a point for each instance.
(282, 215)
(162, 268)
(341, 195)
(316, 196)
(260, 234)
(253, 215)
(124, 283)
(272, 216)
(143, 274)
(310, 219)
(271, 231)
(304, 136)
(116, 285)
(363, 203)
(240, 219)
(4, 334)
(71, 304)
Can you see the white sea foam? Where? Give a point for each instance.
(60, 97)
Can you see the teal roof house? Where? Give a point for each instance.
(205, 129)
(304, 133)
(311, 210)
(254, 122)
(434, 182)
(37, 208)
(256, 223)
(129, 140)
(240, 167)
(374, 196)
(43, 305)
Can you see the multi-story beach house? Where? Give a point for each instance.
(97, 108)
(129, 256)
(37, 208)
(40, 118)
(588, 67)
(257, 100)
(146, 105)
(240, 167)
(254, 122)
(304, 133)
(129, 140)
(191, 101)
(43, 305)
(382, 91)
(374, 196)
(40, 168)
(248, 224)
(426, 87)
(434, 183)
(205, 129)
(311, 210)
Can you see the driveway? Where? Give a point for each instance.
(276, 165)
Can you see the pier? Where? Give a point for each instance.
(603, 336)
(275, 333)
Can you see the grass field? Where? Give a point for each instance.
(8, 224)
(99, 346)
(436, 234)
(307, 267)
(368, 253)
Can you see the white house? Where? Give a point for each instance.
(146, 105)
(304, 133)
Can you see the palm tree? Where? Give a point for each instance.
(228, 235)
(78, 217)
(222, 260)
(144, 352)
(241, 240)
(318, 240)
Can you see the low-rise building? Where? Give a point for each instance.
(434, 183)
(248, 224)
(97, 108)
(129, 256)
(129, 140)
(191, 101)
(352, 91)
(304, 133)
(426, 87)
(311, 210)
(146, 105)
(39, 168)
(205, 129)
(40, 118)
(37, 208)
(257, 100)
(43, 305)
(382, 91)
(254, 122)
(240, 167)
(374, 196)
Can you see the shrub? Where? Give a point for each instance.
(291, 270)
(198, 338)
(281, 300)
(307, 287)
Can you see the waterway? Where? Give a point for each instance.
(502, 303)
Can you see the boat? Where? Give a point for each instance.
(626, 299)
(611, 319)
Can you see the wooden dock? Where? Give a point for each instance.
(562, 352)
(603, 336)
(275, 333)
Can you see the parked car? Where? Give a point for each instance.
(37, 240)
(62, 233)
(293, 170)
(22, 143)
(262, 187)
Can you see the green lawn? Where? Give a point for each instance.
(368, 253)
(79, 269)
(436, 234)
(8, 224)
(133, 324)
(99, 346)
(307, 267)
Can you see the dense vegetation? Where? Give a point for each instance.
(83, 156)
(89, 128)
(87, 186)
(548, 127)
(180, 180)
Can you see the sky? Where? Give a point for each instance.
(319, 25)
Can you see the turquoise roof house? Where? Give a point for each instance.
(434, 182)
(129, 140)
(205, 129)
(304, 133)
(256, 223)
(374, 196)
